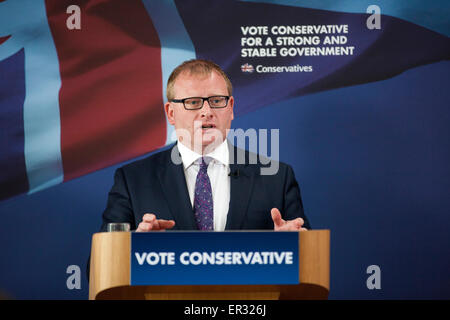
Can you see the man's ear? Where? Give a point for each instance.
(232, 107)
(169, 113)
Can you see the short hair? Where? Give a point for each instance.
(195, 67)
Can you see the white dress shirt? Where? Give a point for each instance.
(218, 172)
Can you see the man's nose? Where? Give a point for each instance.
(206, 109)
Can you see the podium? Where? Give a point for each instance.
(110, 274)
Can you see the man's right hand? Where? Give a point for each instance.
(150, 223)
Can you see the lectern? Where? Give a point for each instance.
(111, 272)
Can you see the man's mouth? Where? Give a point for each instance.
(208, 126)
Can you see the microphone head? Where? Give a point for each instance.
(234, 173)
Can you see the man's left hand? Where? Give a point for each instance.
(286, 225)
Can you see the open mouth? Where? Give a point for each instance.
(208, 126)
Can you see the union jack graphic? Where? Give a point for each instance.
(247, 68)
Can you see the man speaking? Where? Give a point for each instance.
(198, 184)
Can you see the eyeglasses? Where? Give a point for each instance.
(195, 103)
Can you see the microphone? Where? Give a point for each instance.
(234, 173)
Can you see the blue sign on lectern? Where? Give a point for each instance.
(214, 258)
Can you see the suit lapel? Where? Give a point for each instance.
(173, 183)
(241, 186)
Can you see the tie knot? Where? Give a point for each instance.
(204, 162)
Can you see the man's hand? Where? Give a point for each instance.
(150, 223)
(283, 225)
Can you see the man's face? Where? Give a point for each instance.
(204, 127)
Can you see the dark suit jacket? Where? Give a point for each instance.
(157, 185)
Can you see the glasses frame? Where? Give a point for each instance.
(227, 98)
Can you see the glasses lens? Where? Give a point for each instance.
(193, 103)
(218, 101)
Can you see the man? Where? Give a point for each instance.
(198, 184)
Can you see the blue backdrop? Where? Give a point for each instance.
(372, 159)
(372, 162)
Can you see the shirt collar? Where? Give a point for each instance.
(220, 154)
